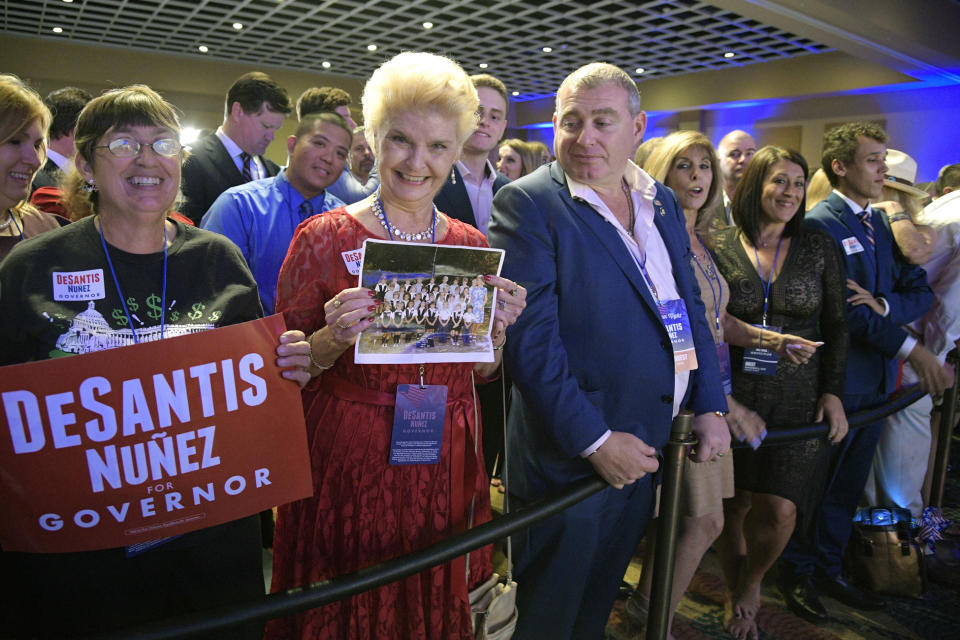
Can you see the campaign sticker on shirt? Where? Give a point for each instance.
(761, 362)
(677, 324)
(78, 285)
(353, 260)
(851, 245)
(418, 424)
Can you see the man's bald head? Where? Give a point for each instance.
(735, 150)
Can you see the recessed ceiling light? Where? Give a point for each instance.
(729, 54)
(325, 64)
(639, 70)
(57, 30)
(484, 65)
(189, 135)
(547, 49)
(238, 25)
(515, 93)
(371, 47)
(68, 1)
(203, 48)
(428, 25)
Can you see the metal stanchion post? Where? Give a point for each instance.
(948, 419)
(681, 438)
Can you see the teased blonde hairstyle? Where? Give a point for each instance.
(21, 106)
(418, 81)
(818, 189)
(662, 157)
(135, 105)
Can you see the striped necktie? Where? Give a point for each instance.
(247, 171)
(867, 226)
(305, 210)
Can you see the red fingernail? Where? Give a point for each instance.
(371, 294)
(487, 278)
(370, 318)
(372, 307)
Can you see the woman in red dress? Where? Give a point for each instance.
(418, 109)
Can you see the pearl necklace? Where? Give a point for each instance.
(9, 220)
(377, 208)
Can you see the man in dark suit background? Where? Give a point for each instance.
(886, 293)
(468, 193)
(65, 104)
(254, 109)
(601, 248)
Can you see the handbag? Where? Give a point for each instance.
(884, 555)
(493, 604)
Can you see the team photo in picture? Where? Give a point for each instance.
(433, 304)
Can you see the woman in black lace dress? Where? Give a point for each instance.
(787, 279)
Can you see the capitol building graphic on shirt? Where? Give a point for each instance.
(89, 332)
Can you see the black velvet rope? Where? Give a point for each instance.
(320, 593)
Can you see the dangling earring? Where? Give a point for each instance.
(453, 176)
(89, 186)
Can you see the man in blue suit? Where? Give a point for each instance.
(887, 293)
(601, 248)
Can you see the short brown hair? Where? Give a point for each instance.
(746, 206)
(253, 89)
(841, 144)
(322, 100)
(488, 81)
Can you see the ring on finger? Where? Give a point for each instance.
(340, 326)
(336, 305)
(513, 292)
(720, 454)
(502, 304)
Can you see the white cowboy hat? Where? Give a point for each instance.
(902, 173)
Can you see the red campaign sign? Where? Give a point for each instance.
(128, 445)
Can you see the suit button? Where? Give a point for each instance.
(666, 399)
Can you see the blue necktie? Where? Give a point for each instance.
(305, 210)
(868, 227)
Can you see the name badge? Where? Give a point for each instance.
(726, 371)
(851, 245)
(352, 260)
(418, 424)
(677, 324)
(79, 285)
(762, 362)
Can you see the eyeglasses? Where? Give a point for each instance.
(126, 148)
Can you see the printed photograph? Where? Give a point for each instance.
(433, 304)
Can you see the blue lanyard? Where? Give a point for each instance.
(16, 224)
(123, 301)
(646, 276)
(433, 228)
(766, 284)
(716, 300)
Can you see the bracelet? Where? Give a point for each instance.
(721, 414)
(313, 359)
(897, 217)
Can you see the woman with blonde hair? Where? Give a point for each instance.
(418, 109)
(517, 158)
(23, 149)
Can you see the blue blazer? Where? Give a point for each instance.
(590, 352)
(452, 199)
(874, 340)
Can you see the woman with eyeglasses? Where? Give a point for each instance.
(23, 145)
(160, 279)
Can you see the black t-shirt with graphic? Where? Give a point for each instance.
(59, 297)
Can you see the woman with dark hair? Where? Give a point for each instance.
(128, 177)
(23, 144)
(782, 278)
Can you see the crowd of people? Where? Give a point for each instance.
(638, 280)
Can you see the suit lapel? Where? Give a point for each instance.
(609, 238)
(868, 256)
(223, 163)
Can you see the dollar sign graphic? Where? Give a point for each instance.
(215, 316)
(155, 309)
(132, 304)
(174, 316)
(120, 317)
(197, 310)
